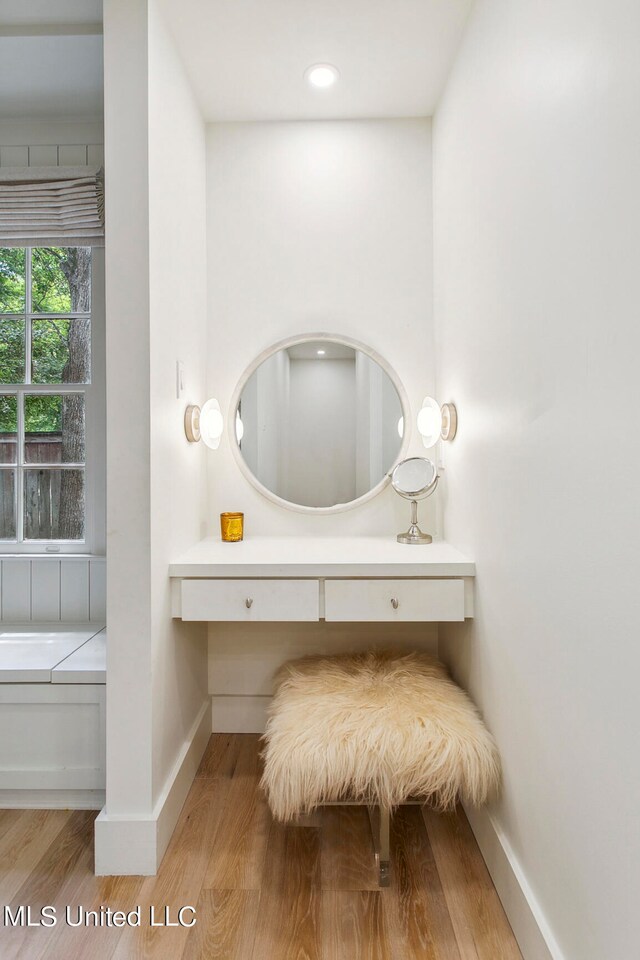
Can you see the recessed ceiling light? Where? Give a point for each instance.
(321, 75)
(321, 353)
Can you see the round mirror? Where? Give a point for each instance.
(318, 423)
(414, 478)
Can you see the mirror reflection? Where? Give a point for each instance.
(415, 478)
(319, 423)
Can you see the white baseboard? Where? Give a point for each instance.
(125, 847)
(527, 920)
(178, 783)
(239, 714)
(51, 799)
(136, 845)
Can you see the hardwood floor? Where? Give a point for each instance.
(261, 891)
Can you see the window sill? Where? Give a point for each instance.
(51, 556)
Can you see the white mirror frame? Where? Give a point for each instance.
(291, 342)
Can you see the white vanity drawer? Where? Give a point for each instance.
(250, 600)
(394, 600)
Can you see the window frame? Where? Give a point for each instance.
(93, 392)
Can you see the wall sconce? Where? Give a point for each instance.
(192, 423)
(204, 424)
(436, 422)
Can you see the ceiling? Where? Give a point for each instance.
(246, 58)
(332, 351)
(51, 59)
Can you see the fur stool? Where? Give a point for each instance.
(376, 728)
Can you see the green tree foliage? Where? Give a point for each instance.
(8, 416)
(54, 273)
(12, 280)
(12, 300)
(50, 290)
(11, 350)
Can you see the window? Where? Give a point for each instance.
(46, 398)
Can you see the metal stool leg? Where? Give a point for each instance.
(379, 820)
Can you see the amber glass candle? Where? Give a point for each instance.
(231, 526)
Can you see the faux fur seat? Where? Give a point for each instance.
(376, 728)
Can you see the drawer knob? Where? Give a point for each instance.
(394, 603)
(248, 602)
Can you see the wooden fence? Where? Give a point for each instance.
(42, 487)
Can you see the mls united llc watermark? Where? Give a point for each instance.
(78, 916)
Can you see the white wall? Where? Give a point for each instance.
(128, 458)
(39, 143)
(318, 226)
(156, 690)
(537, 233)
(177, 232)
(312, 226)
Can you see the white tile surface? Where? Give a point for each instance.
(87, 664)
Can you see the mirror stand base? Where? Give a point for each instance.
(414, 535)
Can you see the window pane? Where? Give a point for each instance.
(7, 505)
(8, 429)
(54, 428)
(61, 279)
(11, 350)
(61, 350)
(12, 280)
(54, 504)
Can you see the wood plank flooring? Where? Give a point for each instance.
(262, 891)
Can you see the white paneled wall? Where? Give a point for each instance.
(45, 589)
(51, 155)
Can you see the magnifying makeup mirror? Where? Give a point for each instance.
(414, 479)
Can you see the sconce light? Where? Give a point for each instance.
(192, 423)
(211, 424)
(204, 424)
(436, 422)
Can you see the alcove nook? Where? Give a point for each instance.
(457, 203)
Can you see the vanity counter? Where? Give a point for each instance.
(321, 578)
(320, 557)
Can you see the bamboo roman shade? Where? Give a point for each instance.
(51, 206)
